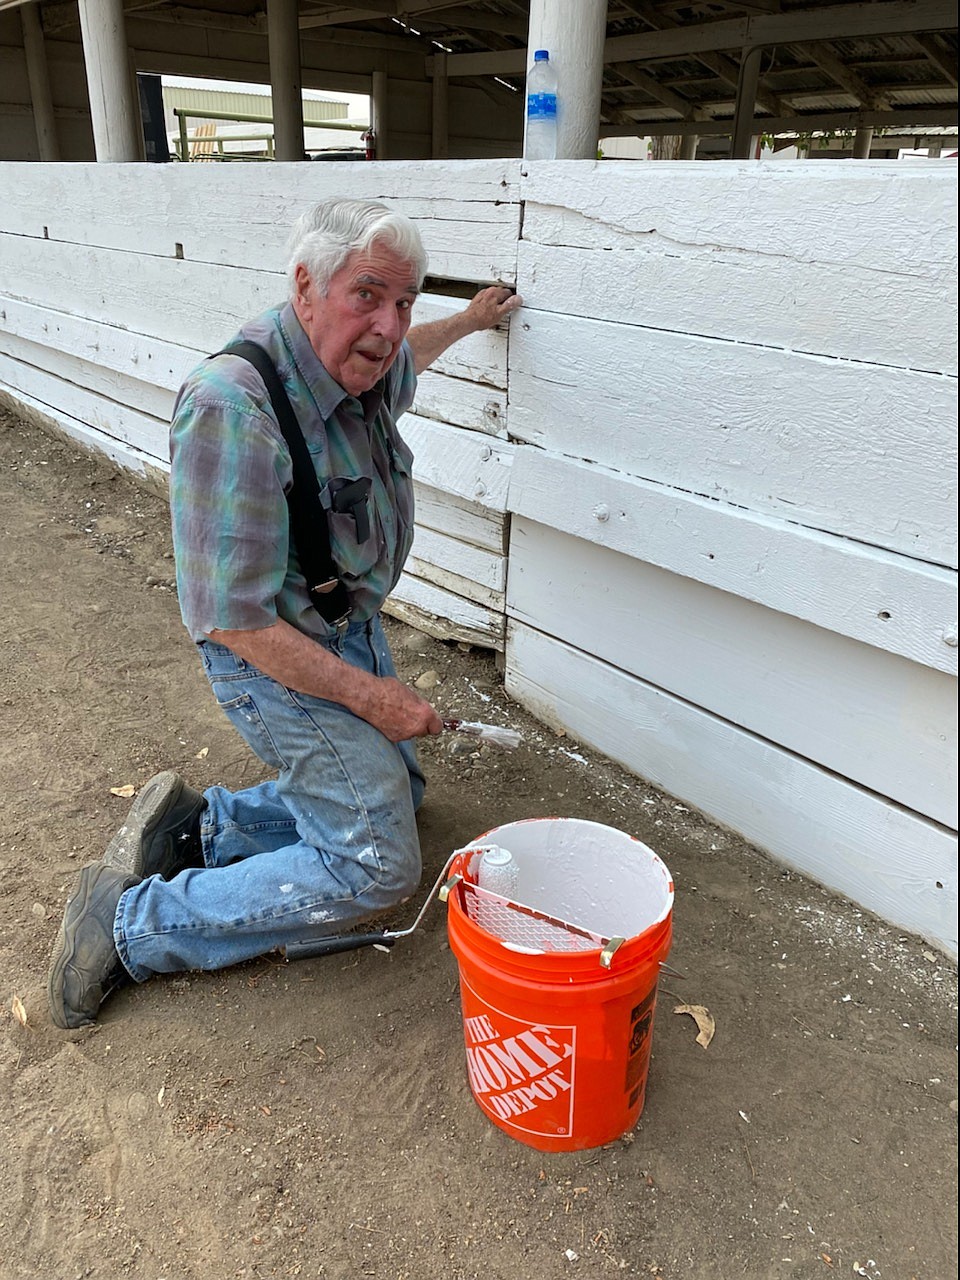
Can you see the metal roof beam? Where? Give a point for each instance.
(459, 17)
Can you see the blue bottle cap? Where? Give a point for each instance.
(541, 55)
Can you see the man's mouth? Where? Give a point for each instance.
(373, 357)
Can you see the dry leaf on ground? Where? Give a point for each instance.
(19, 1012)
(703, 1018)
(125, 791)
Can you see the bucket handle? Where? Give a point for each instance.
(610, 950)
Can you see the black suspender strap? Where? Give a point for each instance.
(308, 520)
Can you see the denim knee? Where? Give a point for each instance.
(400, 869)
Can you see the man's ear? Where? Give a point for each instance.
(303, 291)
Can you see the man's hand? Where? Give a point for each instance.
(490, 306)
(484, 310)
(397, 711)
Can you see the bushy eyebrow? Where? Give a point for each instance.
(382, 284)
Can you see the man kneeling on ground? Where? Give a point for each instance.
(201, 881)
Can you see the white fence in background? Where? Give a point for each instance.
(705, 502)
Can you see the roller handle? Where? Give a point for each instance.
(340, 942)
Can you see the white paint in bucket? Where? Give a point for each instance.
(588, 874)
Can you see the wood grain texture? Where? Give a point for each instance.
(459, 518)
(761, 298)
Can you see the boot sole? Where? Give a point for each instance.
(125, 850)
(63, 953)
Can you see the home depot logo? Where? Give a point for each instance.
(521, 1073)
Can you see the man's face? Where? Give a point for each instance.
(357, 328)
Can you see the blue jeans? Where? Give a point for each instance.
(331, 840)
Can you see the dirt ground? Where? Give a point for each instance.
(314, 1119)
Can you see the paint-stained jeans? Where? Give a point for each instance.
(332, 840)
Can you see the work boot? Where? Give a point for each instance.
(85, 966)
(161, 835)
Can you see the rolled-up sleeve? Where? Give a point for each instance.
(229, 512)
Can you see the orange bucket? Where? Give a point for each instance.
(558, 1041)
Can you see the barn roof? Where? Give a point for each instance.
(669, 65)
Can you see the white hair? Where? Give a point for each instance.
(324, 237)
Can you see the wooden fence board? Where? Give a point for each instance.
(192, 306)
(466, 569)
(814, 308)
(443, 614)
(91, 376)
(869, 716)
(240, 215)
(104, 417)
(886, 600)
(865, 451)
(863, 215)
(151, 363)
(466, 521)
(463, 463)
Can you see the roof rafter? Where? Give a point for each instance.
(946, 65)
(725, 68)
(842, 74)
(908, 120)
(834, 22)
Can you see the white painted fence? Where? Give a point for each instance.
(723, 447)
(733, 555)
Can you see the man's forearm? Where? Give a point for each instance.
(487, 308)
(299, 663)
(429, 341)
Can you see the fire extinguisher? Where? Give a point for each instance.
(370, 142)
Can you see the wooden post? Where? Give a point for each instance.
(38, 75)
(440, 142)
(283, 38)
(573, 33)
(378, 115)
(113, 107)
(743, 123)
(862, 142)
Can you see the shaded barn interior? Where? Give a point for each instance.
(447, 79)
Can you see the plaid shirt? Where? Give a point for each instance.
(230, 470)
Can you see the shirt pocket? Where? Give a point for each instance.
(354, 537)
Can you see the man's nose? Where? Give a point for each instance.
(387, 322)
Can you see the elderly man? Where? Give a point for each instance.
(197, 881)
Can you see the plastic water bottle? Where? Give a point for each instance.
(541, 143)
(498, 873)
